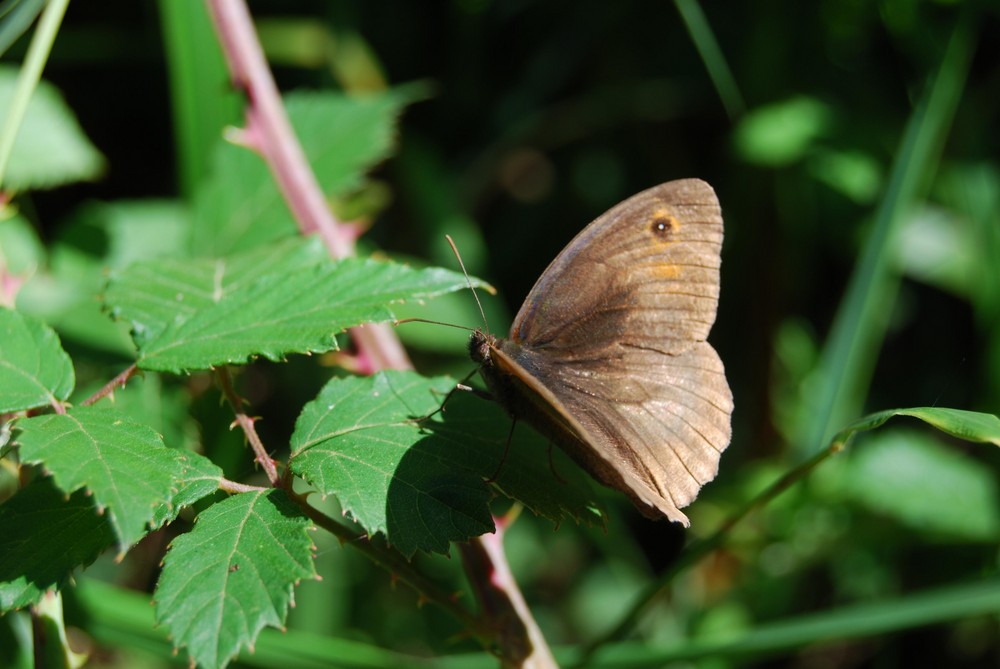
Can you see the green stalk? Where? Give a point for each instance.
(860, 324)
(31, 73)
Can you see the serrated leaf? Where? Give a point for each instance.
(910, 476)
(201, 478)
(45, 537)
(421, 484)
(34, 369)
(50, 148)
(200, 314)
(122, 463)
(233, 574)
(240, 206)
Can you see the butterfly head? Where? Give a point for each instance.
(480, 344)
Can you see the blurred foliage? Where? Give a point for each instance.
(542, 115)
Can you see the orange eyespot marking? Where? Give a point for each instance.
(664, 226)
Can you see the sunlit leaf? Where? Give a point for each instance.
(421, 483)
(201, 478)
(233, 574)
(967, 425)
(34, 369)
(198, 314)
(122, 463)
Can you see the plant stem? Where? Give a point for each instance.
(246, 424)
(236, 487)
(520, 640)
(27, 81)
(110, 386)
(270, 133)
(397, 566)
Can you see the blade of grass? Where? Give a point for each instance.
(859, 327)
(27, 81)
(123, 618)
(203, 101)
(850, 622)
(711, 54)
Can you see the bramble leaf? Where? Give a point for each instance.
(45, 537)
(287, 298)
(233, 574)
(34, 369)
(421, 483)
(122, 463)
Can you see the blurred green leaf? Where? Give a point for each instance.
(33, 561)
(121, 463)
(21, 252)
(783, 132)
(16, 16)
(34, 369)
(240, 207)
(913, 478)
(854, 174)
(50, 149)
(233, 574)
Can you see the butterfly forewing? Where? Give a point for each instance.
(645, 273)
(613, 337)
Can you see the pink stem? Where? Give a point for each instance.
(270, 133)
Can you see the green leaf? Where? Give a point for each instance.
(201, 478)
(45, 537)
(233, 574)
(967, 425)
(203, 313)
(34, 369)
(421, 484)
(782, 133)
(240, 207)
(50, 149)
(21, 252)
(358, 441)
(912, 477)
(122, 463)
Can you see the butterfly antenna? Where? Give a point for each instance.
(469, 281)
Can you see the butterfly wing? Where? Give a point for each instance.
(614, 332)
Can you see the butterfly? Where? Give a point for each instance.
(608, 356)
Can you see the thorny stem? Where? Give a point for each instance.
(109, 387)
(235, 487)
(269, 132)
(701, 548)
(246, 424)
(397, 566)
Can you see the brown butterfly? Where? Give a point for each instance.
(607, 357)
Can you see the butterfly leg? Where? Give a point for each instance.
(461, 385)
(506, 450)
(552, 466)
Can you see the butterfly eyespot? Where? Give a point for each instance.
(663, 226)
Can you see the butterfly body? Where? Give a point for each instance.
(607, 357)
